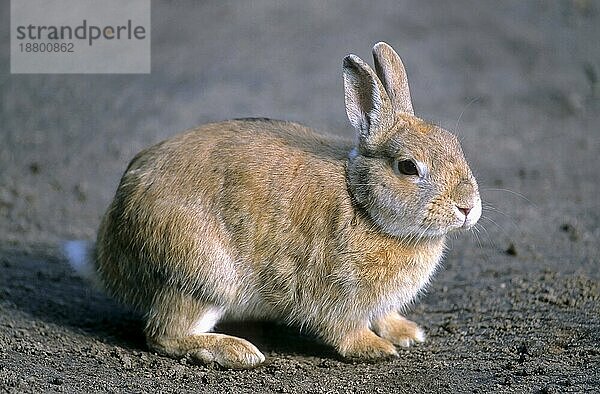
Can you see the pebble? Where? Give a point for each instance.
(511, 250)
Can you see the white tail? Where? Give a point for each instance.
(78, 254)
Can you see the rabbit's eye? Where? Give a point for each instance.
(406, 167)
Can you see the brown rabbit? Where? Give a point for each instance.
(266, 219)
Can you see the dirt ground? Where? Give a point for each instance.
(516, 305)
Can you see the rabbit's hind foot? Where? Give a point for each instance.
(209, 348)
(178, 326)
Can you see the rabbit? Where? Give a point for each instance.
(268, 219)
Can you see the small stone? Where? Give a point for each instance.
(34, 168)
(571, 230)
(511, 250)
(126, 361)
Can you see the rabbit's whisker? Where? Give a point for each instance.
(509, 191)
(474, 100)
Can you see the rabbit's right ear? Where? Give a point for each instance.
(390, 70)
(367, 104)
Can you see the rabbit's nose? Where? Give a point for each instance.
(464, 210)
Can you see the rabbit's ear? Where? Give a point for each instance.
(391, 71)
(367, 104)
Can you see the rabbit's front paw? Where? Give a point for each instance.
(365, 345)
(399, 330)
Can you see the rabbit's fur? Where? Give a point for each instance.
(267, 219)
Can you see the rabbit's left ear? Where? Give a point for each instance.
(367, 104)
(392, 74)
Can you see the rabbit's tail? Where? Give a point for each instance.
(79, 253)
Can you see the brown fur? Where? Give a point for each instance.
(268, 219)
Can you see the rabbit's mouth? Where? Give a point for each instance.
(469, 216)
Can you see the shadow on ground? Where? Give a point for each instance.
(43, 286)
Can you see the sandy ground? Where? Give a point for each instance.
(516, 306)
